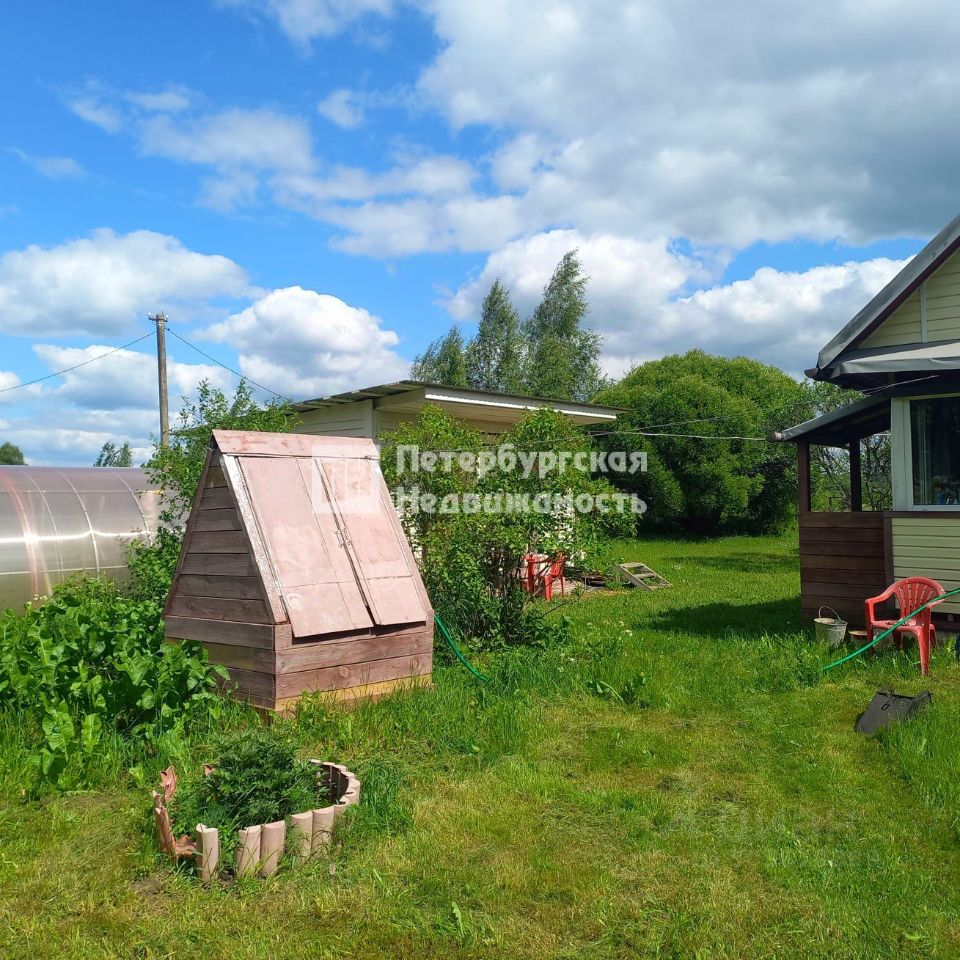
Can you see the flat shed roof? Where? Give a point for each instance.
(409, 395)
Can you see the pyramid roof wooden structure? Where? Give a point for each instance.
(295, 572)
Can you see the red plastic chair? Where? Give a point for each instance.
(539, 579)
(558, 566)
(542, 571)
(910, 593)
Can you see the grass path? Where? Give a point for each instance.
(729, 812)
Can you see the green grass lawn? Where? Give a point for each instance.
(678, 782)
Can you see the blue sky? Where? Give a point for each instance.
(315, 189)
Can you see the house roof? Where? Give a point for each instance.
(945, 243)
(464, 398)
(940, 356)
(861, 418)
(865, 416)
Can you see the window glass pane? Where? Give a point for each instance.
(935, 438)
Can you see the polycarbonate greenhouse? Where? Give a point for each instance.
(57, 521)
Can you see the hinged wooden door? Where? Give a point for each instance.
(306, 545)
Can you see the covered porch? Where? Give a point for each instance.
(844, 556)
(849, 555)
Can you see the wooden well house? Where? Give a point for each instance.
(295, 572)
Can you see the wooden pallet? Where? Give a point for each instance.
(640, 575)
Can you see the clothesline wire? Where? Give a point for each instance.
(76, 366)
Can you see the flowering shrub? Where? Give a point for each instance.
(470, 555)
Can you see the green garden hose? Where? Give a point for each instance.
(456, 650)
(887, 632)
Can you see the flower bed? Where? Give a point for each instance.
(260, 846)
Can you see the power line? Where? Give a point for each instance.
(692, 436)
(212, 359)
(76, 366)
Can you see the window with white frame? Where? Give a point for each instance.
(935, 451)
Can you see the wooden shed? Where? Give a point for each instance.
(296, 574)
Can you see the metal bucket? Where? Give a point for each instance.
(830, 630)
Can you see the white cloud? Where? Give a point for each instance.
(8, 380)
(124, 380)
(342, 107)
(106, 283)
(329, 197)
(726, 126)
(169, 100)
(240, 146)
(244, 139)
(420, 225)
(305, 20)
(228, 191)
(55, 168)
(54, 445)
(309, 344)
(114, 398)
(90, 106)
(628, 277)
(250, 149)
(641, 300)
(780, 317)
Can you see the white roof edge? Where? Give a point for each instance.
(586, 410)
(386, 390)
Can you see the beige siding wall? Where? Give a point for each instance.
(389, 420)
(902, 326)
(928, 547)
(942, 296)
(943, 301)
(342, 420)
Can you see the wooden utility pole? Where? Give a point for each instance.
(160, 319)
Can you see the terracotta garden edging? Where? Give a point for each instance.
(260, 846)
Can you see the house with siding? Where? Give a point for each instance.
(902, 351)
(374, 410)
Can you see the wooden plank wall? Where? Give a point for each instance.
(266, 677)
(842, 562)
(218, 580)
(217, 595)
(343, 420)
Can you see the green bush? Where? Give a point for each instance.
(709, 486)
(90, 663)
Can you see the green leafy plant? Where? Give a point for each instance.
(93, 661)
(176, 470)
(256, 777)
(630, 692)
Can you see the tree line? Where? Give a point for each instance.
(111, 455)
(548, 354)
(703, 420)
